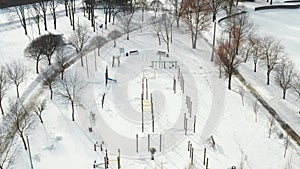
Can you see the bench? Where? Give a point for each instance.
(133, 52)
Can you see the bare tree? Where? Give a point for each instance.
(272, 52)
(3, 87)
(72, 14)
(21, 119)
(35, 12)
(166, 31)
(49, 81)
(69, 91)
(218, 62)
(126, 24)
(16, 73)
(255, 107)
(44, 6)
(61, 61)
(53, 5)
(156, 5)
(296, 85)
(285, 76)
(35, 51)
(196, 14)
(256, 52)
(66, 6)
(228, 58)
(113, 35)
(240, 28)
(156, 25)
(248, 46)
(39, 108)
(20, 10)
(6, 150)
(79, 39)
(90, 7)
(98, 42)
(50, 43)
(230, 4)
(143, 4)
(177, 9)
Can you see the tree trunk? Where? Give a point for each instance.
(283, 93)
(168, 47)
(115, 43)
(194, 44)
(39, 29)
(214, 40)
(25, 26)
(254, 67)
(40, 117)
(51, 92)
(62, 75)
(220, 71)
(89, 14)
(37, 66)
(66, 7)
(230, 6)
(73, 111)
(98, 51)
(70, 15)
(109, 16)
(45, 20)
(143, 14)
(1, 107)
(49, 60)
(113, 23)
(229, 81)
(159, 41)
(23, 140)
(127, 35)
(268, 77)
(194, 40)
(105, 22)
(54, 18)
(255, 116)
(17, 89)
(73, 18)
(81, 60)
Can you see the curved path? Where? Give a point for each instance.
(201, 83)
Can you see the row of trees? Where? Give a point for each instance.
(242, 44)
(21, 117)
(38, 12)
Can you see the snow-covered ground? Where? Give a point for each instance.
(61, 143)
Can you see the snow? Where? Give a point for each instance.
(62, 143)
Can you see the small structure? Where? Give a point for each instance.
(164, 64)
(160, 54)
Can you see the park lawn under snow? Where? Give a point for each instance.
(61, 143)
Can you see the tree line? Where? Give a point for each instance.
(242, 44)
